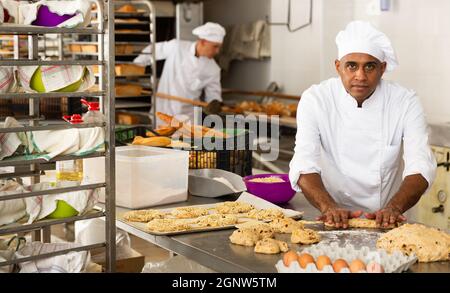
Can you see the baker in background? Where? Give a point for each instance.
(352, 132)
(189, 70)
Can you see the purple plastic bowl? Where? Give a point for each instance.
(49, 19)
(277, 193)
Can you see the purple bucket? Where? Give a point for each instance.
(277, 193)
(49, 19)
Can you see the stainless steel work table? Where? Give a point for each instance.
(214, 250)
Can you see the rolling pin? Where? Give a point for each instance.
(182, 100)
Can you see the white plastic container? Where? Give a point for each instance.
(145, 176)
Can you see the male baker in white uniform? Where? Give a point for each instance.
(189, 69)
(352, 132)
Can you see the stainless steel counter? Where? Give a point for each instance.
(214, 250)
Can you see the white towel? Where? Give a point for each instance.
(26, 13)
(7, 80)
(246, 41)
(72, 262)
(52, 143)
(10, 142)
(40, 207)
(68, 141)
(11, 210)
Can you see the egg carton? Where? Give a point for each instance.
(396, 262)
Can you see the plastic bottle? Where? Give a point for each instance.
(93, 114)
(72, 170)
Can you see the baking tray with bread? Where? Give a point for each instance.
(204, 218)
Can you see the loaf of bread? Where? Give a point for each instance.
(77, 48)
(127, 8)
(128, 90)
(158, 141)
(124, 49)
(129, 70)
(162, 131)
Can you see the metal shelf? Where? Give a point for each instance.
(133, 97)
(55, 253)
(50, 127)
(17, 228)
(105, 42)
(52, 191)
(133, 33)
(20, 161)
(26, 62)
(132, 23)
(150, 19)
(131, 14)
(53, 95)
(15, 29)
(127, 105)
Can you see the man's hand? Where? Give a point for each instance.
(338, 217)
(214, 107)
(387, 216)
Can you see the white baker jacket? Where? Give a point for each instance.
(357, 151)
(184, 75)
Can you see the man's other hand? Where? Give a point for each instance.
(214, 107)
(386, 217)
(338, 217)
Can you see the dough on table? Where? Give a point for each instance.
(285, 225)
(428, 244)
(363, 223)
(305, 236)
(265, 214)
(189, 212)
(143, 216)
(168, 225)
(216, 220)
(271, 246)
(233, 207)
(249, 235)
(244, 237)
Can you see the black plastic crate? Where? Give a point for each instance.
(125, 135)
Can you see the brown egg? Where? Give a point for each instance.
(289, 257)
(374, 267)
(304, 259)
(323, 261)
(339, 264)
(357, 265)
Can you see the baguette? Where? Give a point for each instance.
(163, 131)
(127, 8)
(188, 130)
(158, 141)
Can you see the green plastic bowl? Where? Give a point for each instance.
(37, 84)
(63, 210)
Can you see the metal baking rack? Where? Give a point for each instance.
(144, 19)
(105, 41)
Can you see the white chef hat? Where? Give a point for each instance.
(210, 31)
(362, 37)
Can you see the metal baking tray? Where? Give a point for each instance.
(143, 226)
(202, 182)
